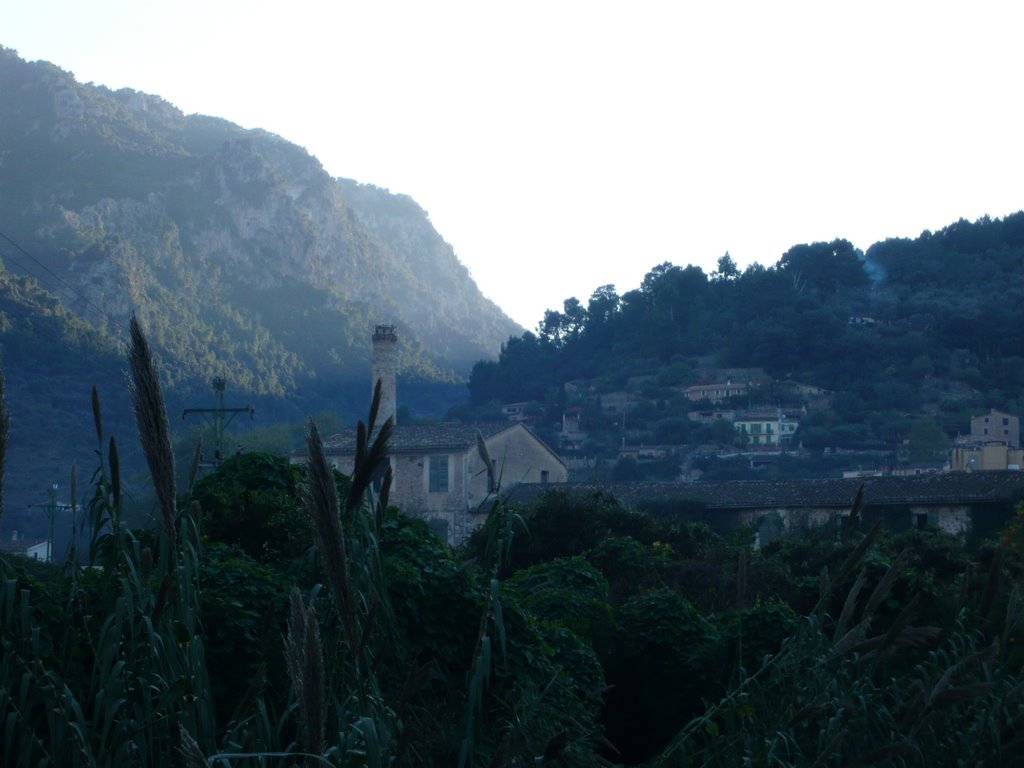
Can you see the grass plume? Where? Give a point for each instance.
(303, 654)
(321, 502)
(97, 415)
(151, 419)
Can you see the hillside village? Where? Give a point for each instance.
(741, 415)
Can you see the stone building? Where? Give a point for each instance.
(715, 391)
(439, 474)
(996, 427)
(437, 469)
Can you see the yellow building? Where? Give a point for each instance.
(989, 456)
(993, 444)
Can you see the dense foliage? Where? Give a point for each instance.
(911, 337)
(274, 616)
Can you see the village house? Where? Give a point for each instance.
(33, 549)
(711, 416)
(993, 444)
(516, 412)
(438, 472)
(769, 428)
(715, 392)
(642, 453)
(996, 427)
(572, 435)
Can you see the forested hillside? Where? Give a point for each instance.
(240, 255)
(911, 334)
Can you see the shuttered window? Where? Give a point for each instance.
(438, 479)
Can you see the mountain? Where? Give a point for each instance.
(240, 254)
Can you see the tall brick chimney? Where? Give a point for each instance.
(385, 352)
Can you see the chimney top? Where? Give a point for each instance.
(385, 349)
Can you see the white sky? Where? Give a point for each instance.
(559, 146)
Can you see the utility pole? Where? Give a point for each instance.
(218, 417)
(51, 511)
(53, 514)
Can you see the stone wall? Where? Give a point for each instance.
(518, 458)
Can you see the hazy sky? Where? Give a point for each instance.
(559, 146)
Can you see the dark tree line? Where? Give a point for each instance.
(891, 329)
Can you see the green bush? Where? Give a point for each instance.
(251, 501)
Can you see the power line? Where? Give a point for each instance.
(77, 293)
(42, 330)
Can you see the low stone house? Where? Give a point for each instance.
(715, 391)
(437, 469)
(996, 427)
(439, 474)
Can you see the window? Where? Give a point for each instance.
(1006, 422)
(438, 477)
(544, 475)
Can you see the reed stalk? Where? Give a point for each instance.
(151, 420)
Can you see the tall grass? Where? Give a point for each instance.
(108, 668)
(105, 668)
(839, 694)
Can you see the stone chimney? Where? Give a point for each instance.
(385, 352)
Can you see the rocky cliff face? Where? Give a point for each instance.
(198, 225)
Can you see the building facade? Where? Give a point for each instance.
(996, 427)
(767, 429)
(438, 471)
(715, 392)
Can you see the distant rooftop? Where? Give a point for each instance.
(418, 438)
(936, 488)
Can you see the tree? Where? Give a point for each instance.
(552, 327)
(251, 501)
(575, 316)
(603, 305)
(825, 267)
(727, 269)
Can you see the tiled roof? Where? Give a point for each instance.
(422, 438)
(937, 488)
